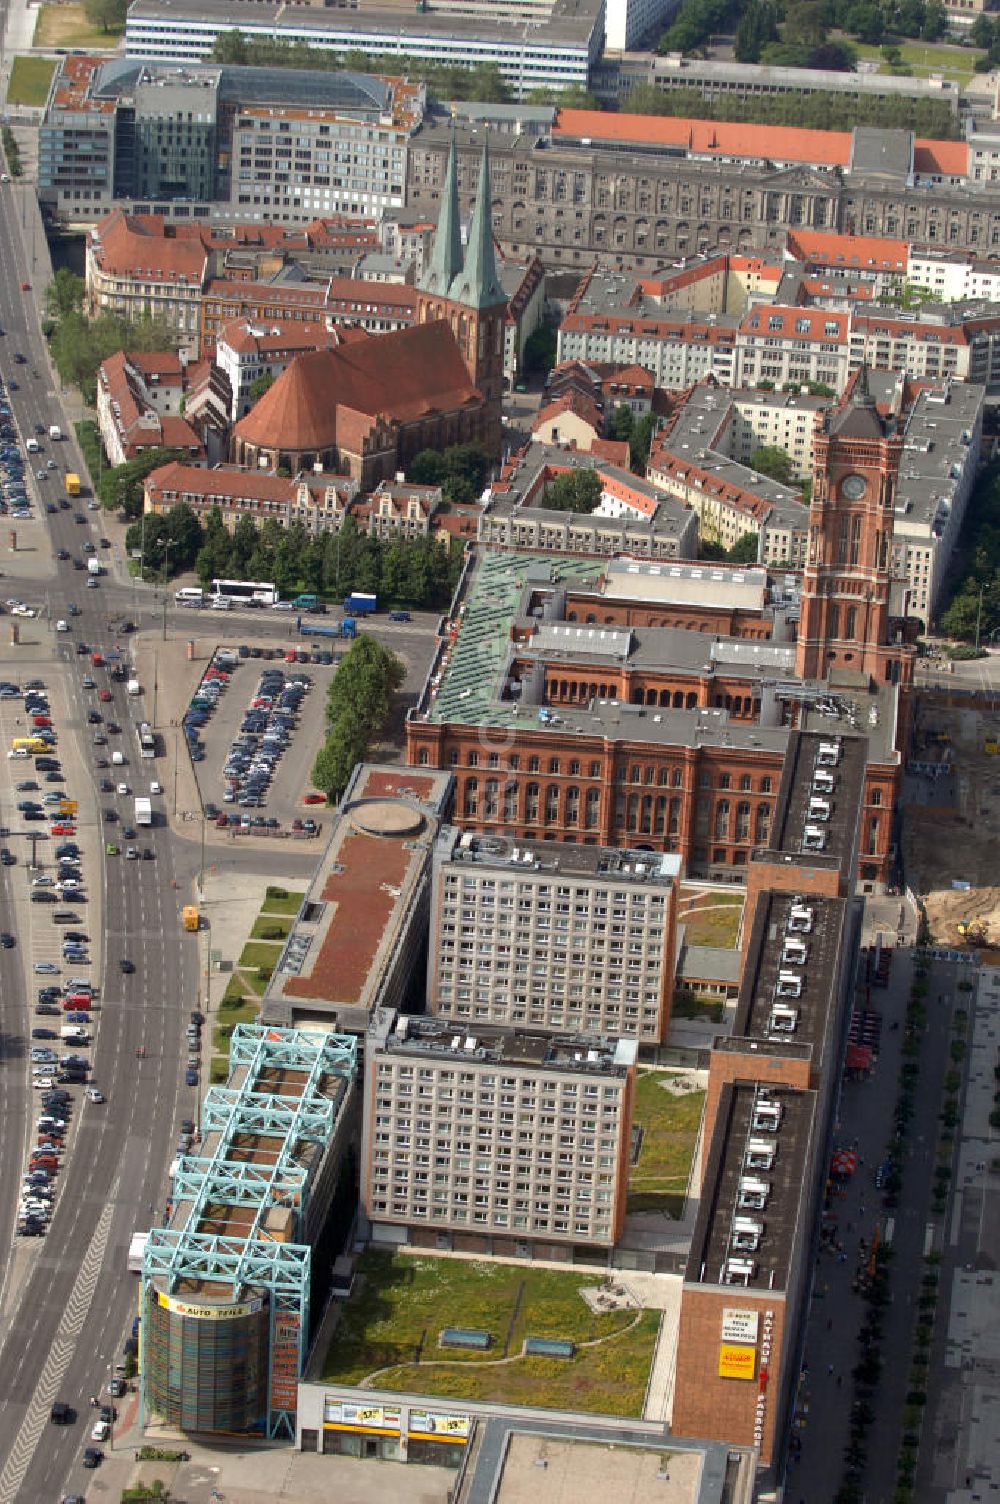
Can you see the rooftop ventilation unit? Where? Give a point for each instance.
(739, 1271)
(760, 1154)
(794, 952)
(819, 809)
(747, 1233)
(753, 1193)
(813, 838)
(766, 1115)
(823, 781)
(828, 755)
(800, 920)
(783, 1020)
(789, 984)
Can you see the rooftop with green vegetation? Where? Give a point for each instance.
(389, 1335)
(471, 666)
(710, 916)
(667, 1114)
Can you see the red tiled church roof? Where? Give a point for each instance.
(406, 374)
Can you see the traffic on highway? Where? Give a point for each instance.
(98, 992)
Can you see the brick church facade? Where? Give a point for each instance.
(365, 408)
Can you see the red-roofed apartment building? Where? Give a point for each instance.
(139, 399)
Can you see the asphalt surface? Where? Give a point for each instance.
(67, 1302)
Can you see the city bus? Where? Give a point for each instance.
(147, 740)
(243, 592)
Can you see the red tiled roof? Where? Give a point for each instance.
(860, 252)
(774, 142)
(948, 158)
(614, 451)
(406, 374)
(573, 401)
(123, 248)
(265, 336)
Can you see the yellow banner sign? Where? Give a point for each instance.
(208, 1313)
(737, 1362)
(443, 1427)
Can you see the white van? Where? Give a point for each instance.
(190, 595)
(33, 446)
(55, 432)
(118, 758)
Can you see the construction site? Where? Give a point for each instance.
(950, 842)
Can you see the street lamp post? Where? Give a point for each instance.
(979, 614)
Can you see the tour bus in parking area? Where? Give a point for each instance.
(29, 744)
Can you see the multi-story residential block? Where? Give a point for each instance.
(276, 145)
(633, 516)
(698, 458)
(494, 1140)
(137, 274)
(139, 402)
(937, 471)
(573, 937)
(319, 503)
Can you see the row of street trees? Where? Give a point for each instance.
(419, 572)
(78, 344)
(412, 572)
(358, 703)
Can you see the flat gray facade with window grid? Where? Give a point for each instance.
(516, 1137)
(529, 934)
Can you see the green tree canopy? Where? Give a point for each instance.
(772, 460)
(263, 383)
(109, 15)
(574, 490)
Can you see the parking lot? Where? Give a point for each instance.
(283, 801)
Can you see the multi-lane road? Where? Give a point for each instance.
(66, 1302)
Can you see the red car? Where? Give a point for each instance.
(63, 830)
(40, 720)
(104, 694)
(314, 799)
(25, 286)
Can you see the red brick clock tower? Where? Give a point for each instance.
(845, 623)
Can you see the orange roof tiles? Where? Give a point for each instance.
(949, 158)
(406, 374)
(862, 252)
(123, 247)
(775, 142)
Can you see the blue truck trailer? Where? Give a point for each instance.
(346, 628)
(360, 604)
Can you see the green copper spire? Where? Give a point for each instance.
(477, 285)
(446, 253)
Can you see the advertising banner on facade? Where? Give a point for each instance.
(739, 1325)
(737, 1362)
(432, 1424)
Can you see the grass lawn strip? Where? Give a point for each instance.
(670, 1126)
(259, 953)
(67, 26)
(391, 1327)
(281, 901)
(29, 81)
(265, 925)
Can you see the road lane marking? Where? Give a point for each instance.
(63, 1349)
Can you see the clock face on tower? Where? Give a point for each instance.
(853, 487)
